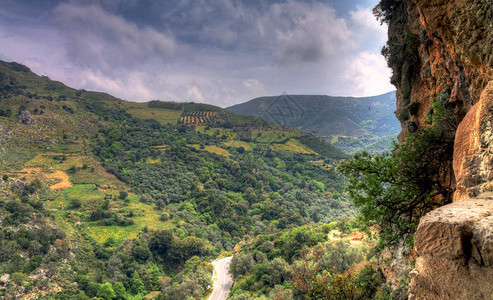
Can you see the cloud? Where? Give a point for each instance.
(369, 74)
(215, 51)
(103, 41)
(364, 18)
(304, 32)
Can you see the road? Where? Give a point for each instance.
(222, 279)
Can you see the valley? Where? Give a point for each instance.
(138, 197)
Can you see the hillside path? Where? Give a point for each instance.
(222, 279)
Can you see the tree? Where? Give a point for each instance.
(141, 253)
(120, 291)
(241, 264)
(152, 275)
(393, 190)
(339, 256)
(136, 285)
(75, 203)
(106, 291)
(160, 204)
(160, 242)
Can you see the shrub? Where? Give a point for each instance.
(412, 108)
(123, 195)
(74, 203)
(19, 278)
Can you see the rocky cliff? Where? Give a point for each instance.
(441, 54)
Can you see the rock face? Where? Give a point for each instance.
(456, 247)
(442, 52)
(473, 149)
(439, 51)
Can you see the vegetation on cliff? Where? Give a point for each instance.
(394, 190)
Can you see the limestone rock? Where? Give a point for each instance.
(4, 278)
(26, 118)
(19, 184)
(455, 244)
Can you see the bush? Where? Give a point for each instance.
(412, 108)
(75, 203)
(123, 195)
(19, 278)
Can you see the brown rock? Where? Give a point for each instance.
(455, 244)
(473, 149)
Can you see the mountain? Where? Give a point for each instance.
(349, 123)
(101, 196)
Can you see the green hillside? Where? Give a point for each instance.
(349, 123)
(97, 193)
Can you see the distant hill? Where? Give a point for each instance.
(349, 123)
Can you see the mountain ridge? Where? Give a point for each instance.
(349, 123)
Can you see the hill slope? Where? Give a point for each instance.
(106, 193)
(349, 123)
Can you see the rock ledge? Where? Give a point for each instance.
(455, 244)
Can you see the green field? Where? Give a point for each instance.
(237, 144)
(141, 111)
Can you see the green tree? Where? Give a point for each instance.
(160, 242)
(339, 256)
(120, 291)
(393, 190)
(19, 278)
(152, 275)
(241, 264)
(106, 291)
(136, 285)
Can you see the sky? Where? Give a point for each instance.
(221, 52)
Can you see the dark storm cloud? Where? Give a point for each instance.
(217, 51)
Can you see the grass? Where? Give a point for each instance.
(89, 194)
(90, 197)
(293, 146)
(323, 164)
(238, 144)
(211, 131)
(70, 147)
(212, 149)
(63, 180)
(55, 160)
(141, 111)
(264, 136)
(94, 173)
(145, 215)
(99, 177)
(153, 161)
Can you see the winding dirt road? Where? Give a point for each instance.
(222, 279)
